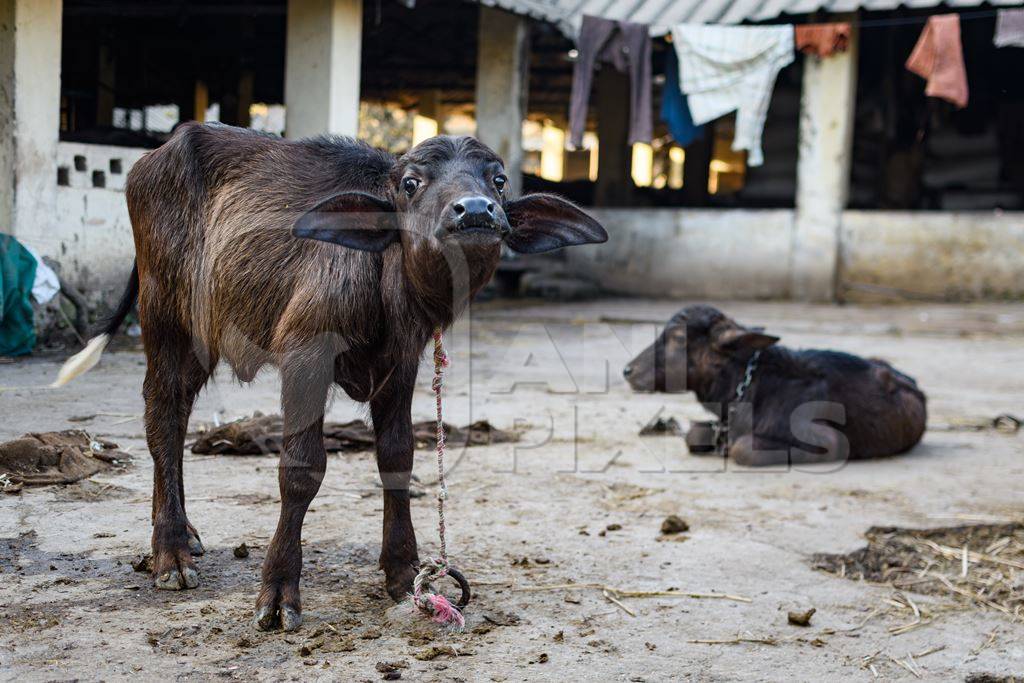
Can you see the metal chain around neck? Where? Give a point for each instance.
(748, 375)
(722, 426)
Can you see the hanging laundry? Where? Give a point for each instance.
(1009, 28)
(939, 58)
(823, 40)
(675, 110)
(727, 68)
(626, 47)
(46, 283)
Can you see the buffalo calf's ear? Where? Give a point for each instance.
(352, 219)
(542, 222)
(739, 338)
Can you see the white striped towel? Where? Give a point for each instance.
(726, 68)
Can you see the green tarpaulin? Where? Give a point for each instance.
(17, 273)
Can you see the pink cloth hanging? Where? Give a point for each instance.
(939, 58)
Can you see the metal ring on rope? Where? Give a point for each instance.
(463, 586)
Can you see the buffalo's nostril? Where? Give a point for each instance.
(474, 212)
(627, 371)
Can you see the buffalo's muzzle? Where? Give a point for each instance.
(475, 214)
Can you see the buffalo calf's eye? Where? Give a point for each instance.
(410, 185)
(499, 182)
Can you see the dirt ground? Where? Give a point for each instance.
(579, 500)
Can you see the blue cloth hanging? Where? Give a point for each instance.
(675, 110)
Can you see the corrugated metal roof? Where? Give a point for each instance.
(662, 14)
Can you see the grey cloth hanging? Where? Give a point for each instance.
(626, 47)
(1009, 28)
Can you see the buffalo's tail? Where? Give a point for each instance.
(84, 360)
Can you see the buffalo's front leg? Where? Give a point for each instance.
(391, 410)
(700, 440)
(305, 382)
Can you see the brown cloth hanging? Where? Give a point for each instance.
(939, 58)
(626, 47)
(823, 40)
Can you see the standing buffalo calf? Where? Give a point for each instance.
(394, 248)
(800, 406)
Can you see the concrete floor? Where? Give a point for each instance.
(73, 608)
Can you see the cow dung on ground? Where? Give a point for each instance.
(662, 426)
(263, 434)
(40, 459)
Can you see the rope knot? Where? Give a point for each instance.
(436, 606)
(440, 357)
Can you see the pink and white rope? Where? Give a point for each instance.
(436, 606)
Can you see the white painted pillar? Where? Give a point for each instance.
(322, 60)
(30, 41)
(827, 109)
(502, 78)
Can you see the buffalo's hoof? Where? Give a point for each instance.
(399, 582)
(176, 580)
(195, 545)
(174, 570)
(270, 618)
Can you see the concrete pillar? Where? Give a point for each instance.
(697, 167)
(431, 105)
(229, 108)
(614, 185)
(823, 171)
(30, 40)
(502, 85)
(322, 61)
(106, 74)
(201, 101)
(246, 86)
(429, 116)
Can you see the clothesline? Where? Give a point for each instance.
(876, 23)
(713, 69)
(910, 21)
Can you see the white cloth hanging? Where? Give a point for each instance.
(47, 284)
(727, 68)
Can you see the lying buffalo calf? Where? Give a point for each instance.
(793, 406)
(396, 247)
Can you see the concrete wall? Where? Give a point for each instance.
(936, 255)
(738, 254)
(681, 253)
(92, 236)
(707, 254)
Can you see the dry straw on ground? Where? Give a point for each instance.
(979, 565)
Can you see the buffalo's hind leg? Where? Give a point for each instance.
(391, 410)
(306, 380)
(174, 377)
